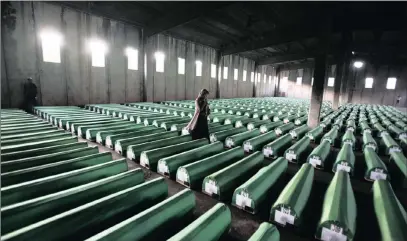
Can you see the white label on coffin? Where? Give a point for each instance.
(88, 134)
(330, 235)
(182, 175)
(314, 161)
(79, 132)
(130, 154)
(267, 152)
(284, 216)
(210, 187)
(290, 156)
(368, 131)
(351, 129)
(162, 167)
(378, 175)
(370, 145)
(229, 143)
(227, 121)
(348, 142)
(144, 160)
(118, 148)
(108, 142)
(242, 200)
(263, 129)
(293, 134)
(343, 166)
(403, 135)
(394, 149)
(247, 147)
(278, 131)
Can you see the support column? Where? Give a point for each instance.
(142, 69)
(277, 83)
(317, 92)
(255, 80)
(338, 82)
(218, 72)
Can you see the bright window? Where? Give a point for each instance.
(331, 81)
(368, 83)
(252, 76)
(51, 47)
(284, 84)
(244, 75)
(299, 81)
(225, 72)
(235, 74)
(181, 66)
(270, 79)
(265, 78)
(132, 58)
(391, 83)
(258, 77)
(159, 62)
(312, 81)
(213, 70)
(98, 48)
(198, 70)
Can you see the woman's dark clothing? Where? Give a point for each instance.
(201, 129)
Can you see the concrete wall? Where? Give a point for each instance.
(75, 81)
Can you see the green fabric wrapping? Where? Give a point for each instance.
(43, 186)
(338, 122)
(244, 122)
(63, 120)
(33, 139)
(91, 133)
(28, 162)
(390, 214)
(102, 135)
(315, 133)
(364, 126)
(254, 191)
(400, 124)
(289, 118)
(210, 226)
(271, 126)
(143, 225)
(349, 138)
(41, 151)
(220, 128)
(326, 124)
(276, 147)
(338, 217)
(296, 152)
(178, 127)
(257, 143)
(169, 165)
(221, 118)
(299, 132)
(345, 160)
(398, 164)
(301, 120)
(369, 141)
(375, 168)
(222, 183)
(8, 127)
(73, 126)
(34, 210)
(134, 151)
(389, 144)
(39, 134)
(140, 118)
(111, 140)
(289, 205)
(256, 124)
(39, 144)
(238, 139)
(283, 129)
(233, 119)
(27, 130)
(40, 171)
(380, 129)
(122, 144)
(81, 130)
(192, 174)
(396, 132)
(222, 135)
(266, 232)
(94, 215)
(158, 120)
(150, 158)
(351, 125)
(166, 124)
(280, 117)
(331, 136)
(319, 155)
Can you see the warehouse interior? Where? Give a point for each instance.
(307, 124)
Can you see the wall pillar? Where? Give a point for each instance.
(338, 83)
(317, 91)
(218, 72)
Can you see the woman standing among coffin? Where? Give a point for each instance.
(198, 126)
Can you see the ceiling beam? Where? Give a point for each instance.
(284, 58)
(182, 16)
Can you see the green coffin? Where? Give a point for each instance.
(369, 141)
(389, 145)
(338, 219)
(380, 129)
(292, 200)
(208, 227)
(266, 232)
(257, 143)
(299, 132)
(102, 135)
(256, 124)
(390, 214)
(283, 129)
(301, 120)
(375, 168)
(319, 155)
(143, 226)
(134, 151)
(150, 158)
(296, 152)
(331, 136)
(222, 135)
(349, 138)
(39, 144)
(92, 132)
(39, 134)
(277, 147)
(271, 126)
(94, 216)
(351, 125)
(315, 133)
(192, 174)
(167, 125)
(27, 130)
(34, 210)
(238, 139)
(254, 191)
(345, 160)
(168, 166)
(111, 140)
(82, 129)
(398, 164)
(222, 183)
(34, 139)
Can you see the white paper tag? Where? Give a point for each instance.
(263, 129)
(278, 131)
(79, 132)
(118, 148)
(403, 135)
(238, 124)
(243, 200)
(108, 142)
(130, 154)
(144, 160)
(394, 149)
(227, 122)
(284, 216)
(332, 235)
(370, 145)
(343, 166)
(247, 147)
(146, 122)
(210, 187)
(162, 167)
(88, 134)
(267, 152)
(229, 143)
(378, 174)
(290, 156)
(314, 161)
(348, 142)
(293, 134)
(182, 175)
(212, 138)
(351, 129)
(250, 126)
(368, 131)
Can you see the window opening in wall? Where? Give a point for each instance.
(159, 62)
(244, 75)
(145, 66)
(312, 81)
(198, 65)
(258, 77)
(391, 83)
(219, 74)
(368, 83)
(225, 72)
(235, 74)
(181, 66)
(265, 78)
(252, 76)
(270, 79)
(331, 81)
(98, 48)
(284, 84)
(213, 70)
(132, 58)
(299, 81)
(51, 46)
